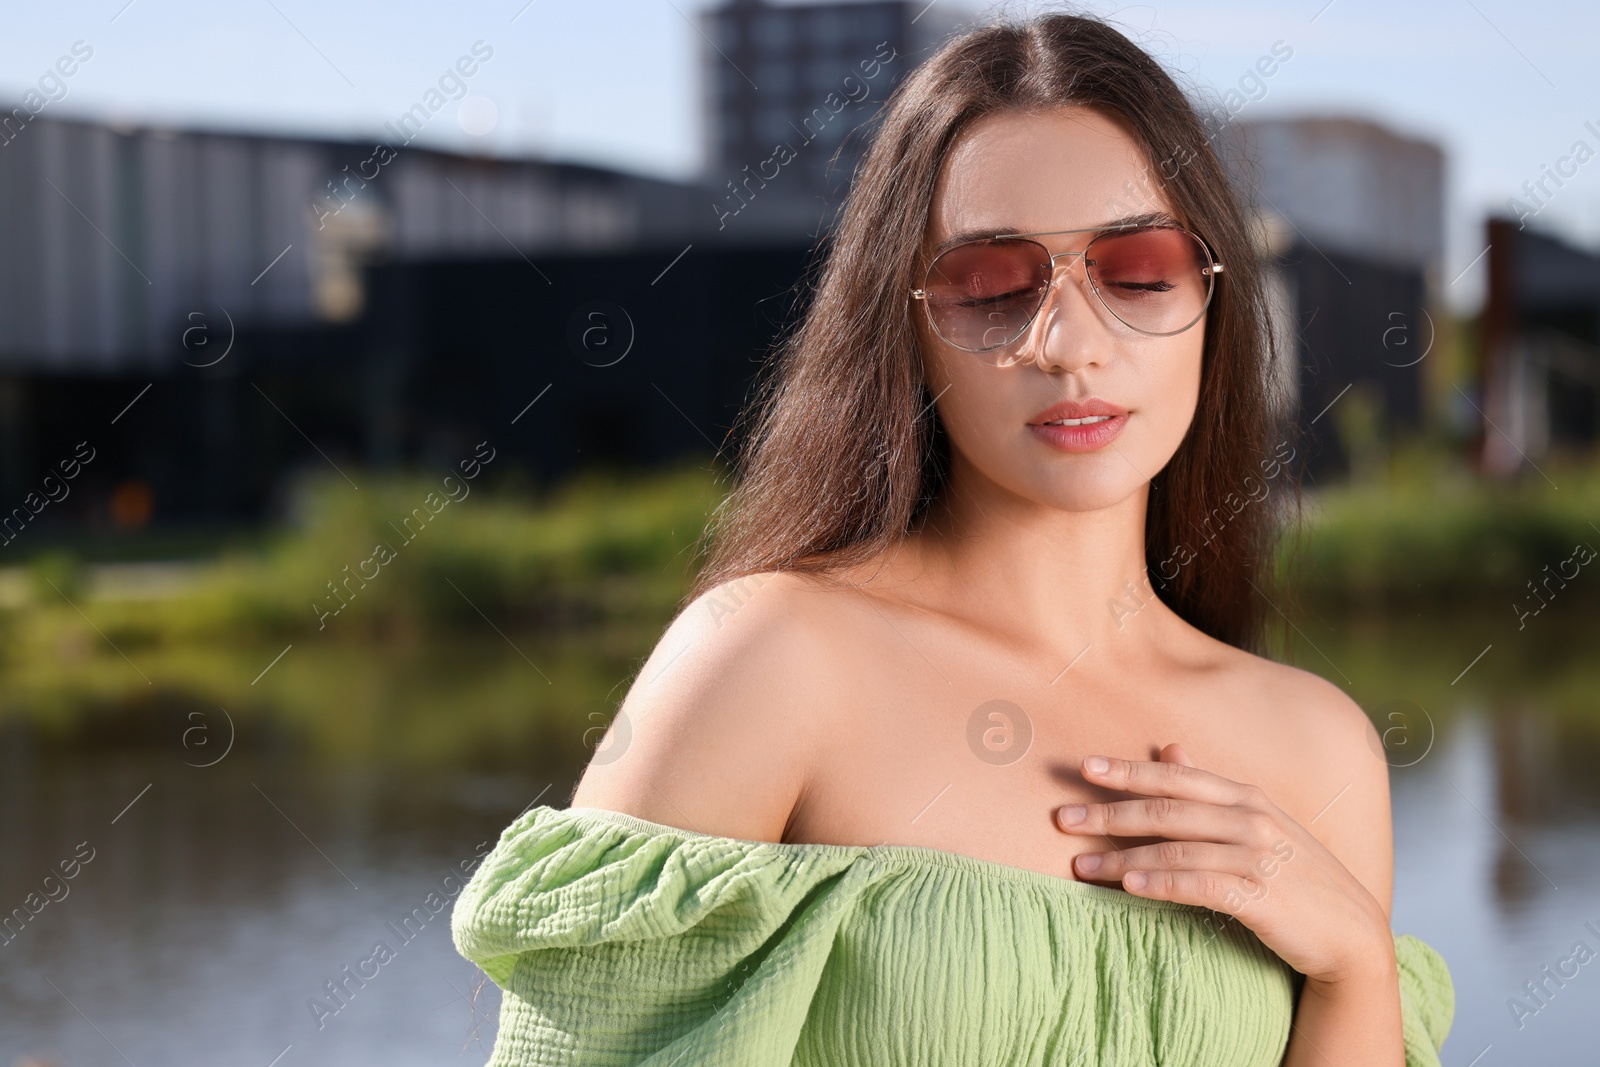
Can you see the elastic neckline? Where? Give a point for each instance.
(911, 855)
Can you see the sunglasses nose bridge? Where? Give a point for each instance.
(1052, 292)
(1056, 265)
(1068, 256)
(1051, 288)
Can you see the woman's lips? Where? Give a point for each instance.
(1092, 433)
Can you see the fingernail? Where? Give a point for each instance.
(1134, 880)
(1073, 813)
(1097, 764)
(1089, 862)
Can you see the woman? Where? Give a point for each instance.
(959, 752)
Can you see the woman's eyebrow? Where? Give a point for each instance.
(1149, 218)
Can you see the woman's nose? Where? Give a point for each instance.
(1068, 332)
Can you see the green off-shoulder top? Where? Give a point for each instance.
(619, 941)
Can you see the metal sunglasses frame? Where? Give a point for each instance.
(1210, 270)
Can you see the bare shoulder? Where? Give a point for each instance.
(720, 724)
(1334, 778)
(1316, 710)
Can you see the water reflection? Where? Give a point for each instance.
(226, 916)
(224, 902)
(1497, 829)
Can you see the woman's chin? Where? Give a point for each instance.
(1086, 494)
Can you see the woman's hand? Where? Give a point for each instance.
(1227, 847)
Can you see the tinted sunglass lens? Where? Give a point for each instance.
(1153, 280)
(983, 295)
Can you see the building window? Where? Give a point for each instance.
(772, 31)
(730, 143)
(826, 29)
(776, 76)
(823, 76)
(774, 126)
(724, 32)
(868, 27)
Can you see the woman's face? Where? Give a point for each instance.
(1064, 169)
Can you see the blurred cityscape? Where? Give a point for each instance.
(227, 306)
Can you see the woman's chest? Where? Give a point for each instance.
(959, 759)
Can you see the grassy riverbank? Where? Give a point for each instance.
(391, 561)
(1433, 535)
(498, 627)
(395, 559)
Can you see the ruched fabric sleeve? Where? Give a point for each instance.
(1427, 1000)
(617, 948)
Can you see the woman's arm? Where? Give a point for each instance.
(714, 735)
(1356, 826)
(1230, 848)
(1355, 1021)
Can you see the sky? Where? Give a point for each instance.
(1504, 87)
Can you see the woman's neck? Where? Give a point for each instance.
(1062, 580)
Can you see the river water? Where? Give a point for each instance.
(215, 892)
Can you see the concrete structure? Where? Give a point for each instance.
(110, 237)
(133, 259)
(1540, 383)
(337, 276)
(1346, 185)
(786, 88)
(1355, 216)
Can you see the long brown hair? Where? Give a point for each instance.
(843, 446)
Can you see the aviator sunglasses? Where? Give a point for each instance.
(982, 294)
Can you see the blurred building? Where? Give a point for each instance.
(111, 236)
(785, 87)
(134, 259)
(1355, 214)
(210, 311)
(1540, 385)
